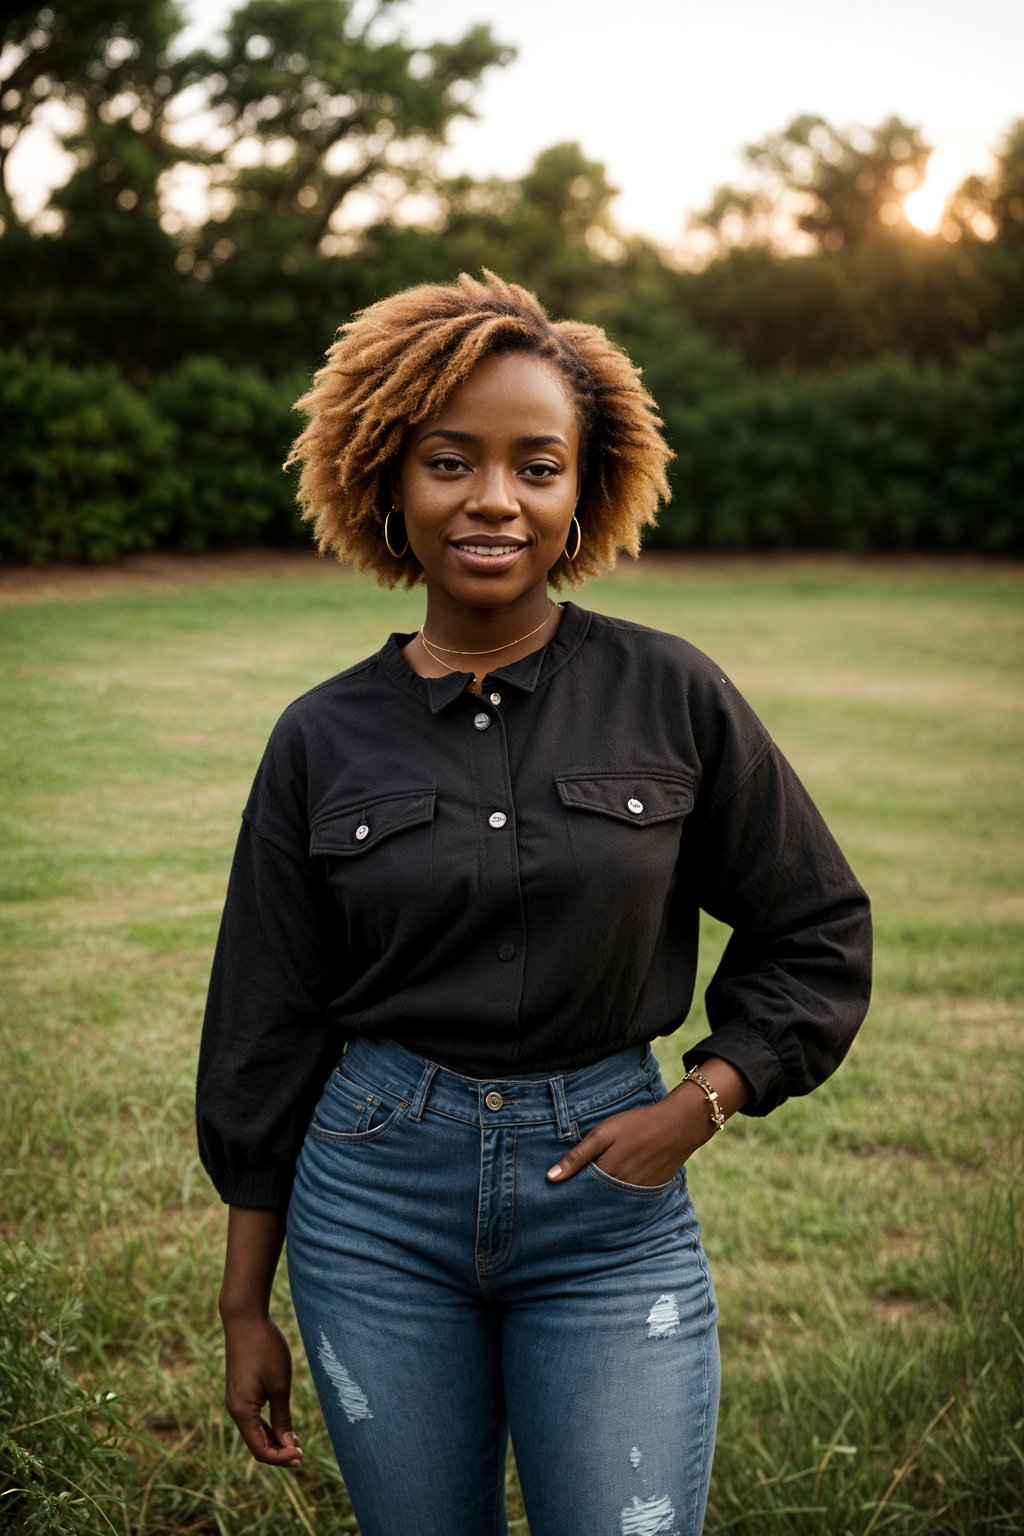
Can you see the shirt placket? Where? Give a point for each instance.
(505, 943)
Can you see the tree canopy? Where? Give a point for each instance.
(229, 206)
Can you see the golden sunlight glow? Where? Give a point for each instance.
(925, 206)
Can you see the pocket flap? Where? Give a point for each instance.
(640, 798)
(360, 827)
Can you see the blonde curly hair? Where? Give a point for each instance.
(397, 362)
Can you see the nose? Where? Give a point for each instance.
(493, 493)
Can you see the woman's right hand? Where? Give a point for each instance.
(259, 1371)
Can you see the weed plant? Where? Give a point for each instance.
(866, 1242)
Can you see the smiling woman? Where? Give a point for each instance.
(488, 491)
(465, 899)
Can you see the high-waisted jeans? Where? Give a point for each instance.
(448, 1293)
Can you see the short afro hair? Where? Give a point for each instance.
(397, 362)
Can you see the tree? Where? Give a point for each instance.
(835, 188)
(304, 103)
(319, 99)
(992, 207)
(85, 53)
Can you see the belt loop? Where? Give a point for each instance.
(557, 1086)
(419, 1102)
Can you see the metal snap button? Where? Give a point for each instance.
(635, 805)
(481, 722)
(497, 819)
(362, 832)
(495, 698)
(494, 1100)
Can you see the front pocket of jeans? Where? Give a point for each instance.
(348, 1112)
(650, 1094)
(644, 1190)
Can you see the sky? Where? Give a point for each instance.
(666, 92)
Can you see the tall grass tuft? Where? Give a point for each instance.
(60, 1445)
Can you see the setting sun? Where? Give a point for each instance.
(925, 205)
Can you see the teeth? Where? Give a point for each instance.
(489, 549)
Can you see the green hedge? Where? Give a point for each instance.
(886, 455)
(91, 468)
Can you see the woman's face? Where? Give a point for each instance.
(488, 487)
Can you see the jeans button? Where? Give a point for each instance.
(494, 1100)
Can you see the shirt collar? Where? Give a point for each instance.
(526, 675)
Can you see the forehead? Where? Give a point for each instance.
(511, 390)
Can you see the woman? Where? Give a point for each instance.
(464, 899)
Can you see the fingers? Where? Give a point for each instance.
(285, 1438)
(577, 1157)
(276, 1447)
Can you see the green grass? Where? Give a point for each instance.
(866, 1242)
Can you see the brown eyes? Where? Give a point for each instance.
(450, 464)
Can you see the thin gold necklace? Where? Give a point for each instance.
(440, 659)
(453, 650)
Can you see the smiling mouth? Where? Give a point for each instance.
(489, 549)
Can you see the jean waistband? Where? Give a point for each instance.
(505, 1099)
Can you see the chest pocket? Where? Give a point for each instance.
(356, 830)
(624, 827)
(378, 857)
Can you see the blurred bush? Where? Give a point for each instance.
(92, 467)
(83, 460)
(230, 429)
(887, 455)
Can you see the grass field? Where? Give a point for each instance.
(866, 1242)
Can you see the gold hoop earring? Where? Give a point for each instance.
(397, 553)
(579, 541)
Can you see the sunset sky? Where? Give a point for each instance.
(665, 92)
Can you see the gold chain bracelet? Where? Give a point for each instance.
(695, 1075)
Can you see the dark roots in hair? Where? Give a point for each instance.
(397, 362)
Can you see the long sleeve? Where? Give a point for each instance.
(794, 981)
(268, 1039)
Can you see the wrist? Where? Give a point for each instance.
(242, 1309)
(716, 1114)
(688, 1123)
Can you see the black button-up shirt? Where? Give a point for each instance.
(511, 881)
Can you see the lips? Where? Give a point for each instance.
(489, 549)
(487, 554)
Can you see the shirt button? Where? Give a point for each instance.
(362, 832)
(481, 722)
(494, 1100)
(634, 805)
(506, 951)
(497, 819)
(495, 698)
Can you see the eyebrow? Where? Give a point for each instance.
(540, 440)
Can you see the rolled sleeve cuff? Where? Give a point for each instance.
(266, 1189)
(752, 1055)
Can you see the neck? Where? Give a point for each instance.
(478, 641)
(462, 633)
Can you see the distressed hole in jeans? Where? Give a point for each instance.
(635, 1457)
(663, 1318)
(351, 1396)
(649, 1517)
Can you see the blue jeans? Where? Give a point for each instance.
(448, 1294)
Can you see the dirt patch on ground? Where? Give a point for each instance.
(156, 573)
(160, 572)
